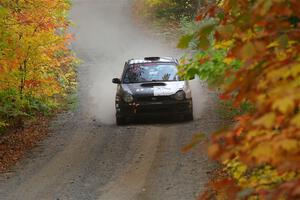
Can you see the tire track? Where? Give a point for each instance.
(132, 179)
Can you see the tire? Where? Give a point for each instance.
(121, 121)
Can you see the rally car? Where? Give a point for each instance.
(152, 87)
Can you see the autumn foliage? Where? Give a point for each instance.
(36, 65)
(166, 10)
(261, 153)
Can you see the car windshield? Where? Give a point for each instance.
(147, 72)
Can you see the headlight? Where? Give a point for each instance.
(180, 95)
(128, 98)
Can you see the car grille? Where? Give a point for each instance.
(153, 98)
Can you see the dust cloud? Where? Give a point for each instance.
(104, 50)
(200, 97)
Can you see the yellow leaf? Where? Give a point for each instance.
(273, 44)
(255, 133)
(260, 99)
(267, 121)
(284, 105)
(288, 145)
(296, 121)
(281, 55)
(224, 44)
(262, 84)
(275, 75)
(262, 152)
(295, 70)
(228, 61)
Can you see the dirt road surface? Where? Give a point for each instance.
(86, 156)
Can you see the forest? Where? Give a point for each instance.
(37, 67)
(247, 52)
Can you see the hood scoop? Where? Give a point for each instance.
(152, 84)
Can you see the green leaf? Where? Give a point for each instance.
(206, 28)
(185, 41)
(3, 11)
(203, 43)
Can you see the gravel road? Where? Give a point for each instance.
(86, 156)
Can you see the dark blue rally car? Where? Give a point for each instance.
(152, 87)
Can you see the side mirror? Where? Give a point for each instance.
(116, 81)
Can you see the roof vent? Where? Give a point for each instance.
(152, 58)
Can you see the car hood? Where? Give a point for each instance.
(154, 88)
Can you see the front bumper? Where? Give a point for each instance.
(166, 108)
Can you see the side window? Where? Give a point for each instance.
(133, 74)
